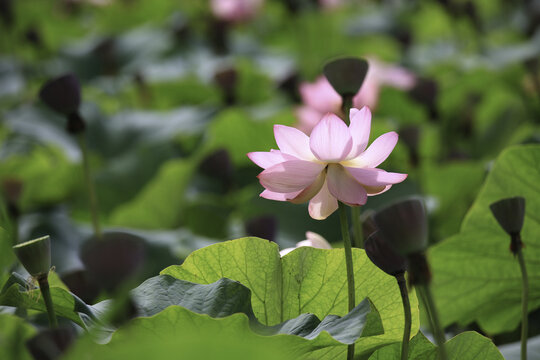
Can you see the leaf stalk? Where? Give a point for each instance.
(94, 210)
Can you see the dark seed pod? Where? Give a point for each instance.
(382, 255)
(12, 190)
(346, 75)
(62, 94)
(419, 271)
(75, 123)
(289, 85)
(510, 213)
(227, 80)
(218, 165)
(264, 227)
(81, 284)
(50, 344)
(426, 92)
(6, 13)
(34, 38)
(35, 256)
(404, 226)
(113, 260)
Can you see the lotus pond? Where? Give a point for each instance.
(270, 179)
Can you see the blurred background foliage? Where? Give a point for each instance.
(174, 99)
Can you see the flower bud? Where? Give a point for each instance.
(35, 256)
(62, 94)
(510, 213)
(383, 255)
(404, 226)
(346, 75)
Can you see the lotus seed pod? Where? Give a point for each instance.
(35, 256)
(346, 75)
(62, 94)
(404, 226)
(510, 213)
(384, 256)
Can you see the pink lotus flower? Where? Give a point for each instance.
(235, 10)
(312, 239)
(330, 165)
(320, 97)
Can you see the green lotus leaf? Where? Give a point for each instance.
(476, 277)
(307, 280)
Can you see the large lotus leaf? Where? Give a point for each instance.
(187, 335)
(14, 332)
(469, 345)
(159, 204)
(298, 337)
(222, 298)
(227, 297)
(453, 187)
(476, 278)
(307, 280)
(499, 121)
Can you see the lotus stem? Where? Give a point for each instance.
(357, 227)
(524, 304)
(90, 185)
(407, 311)
(349, 264)
(46, 292)
(435, 323)
(346, 108)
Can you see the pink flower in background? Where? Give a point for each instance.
(330, 165)
(320, 97)
(235, 10)
(312, 239)
(330, 4)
